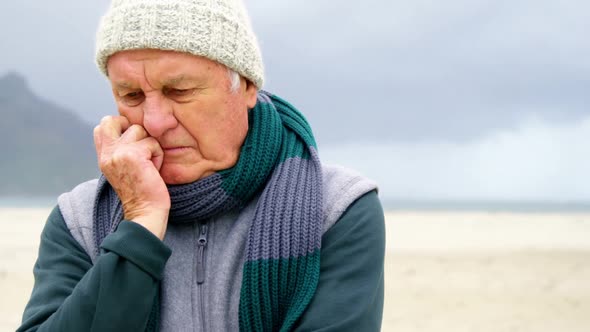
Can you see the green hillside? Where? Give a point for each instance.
(44, 149)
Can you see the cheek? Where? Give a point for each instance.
(214, 120)
(235, 122)
(241, 124)
(219, 127)
(236, 113)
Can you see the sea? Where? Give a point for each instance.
(388, 205)
(487, 205)
(28, 201)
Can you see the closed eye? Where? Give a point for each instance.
(133, 98)
(133, 94)
(179, 92)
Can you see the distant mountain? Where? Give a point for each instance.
(44, 149)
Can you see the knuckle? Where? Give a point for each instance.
(151, 140)
(135, 128)
(106, 119)
(119, 156)
(103, 163)
(136, 131)
(141, 128)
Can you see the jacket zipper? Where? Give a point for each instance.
(201, 244)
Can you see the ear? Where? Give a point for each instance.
(250, 93)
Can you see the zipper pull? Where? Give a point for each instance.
(201, 244)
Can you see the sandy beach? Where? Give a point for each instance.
(444, 271)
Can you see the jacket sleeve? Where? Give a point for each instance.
(114, 294)
(349, 296)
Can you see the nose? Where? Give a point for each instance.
(158, 115)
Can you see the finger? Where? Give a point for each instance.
(97, 140)
(156, 153)
(111, 127)
(133, 134)
(106, 132)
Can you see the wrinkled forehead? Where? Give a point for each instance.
(130, 68)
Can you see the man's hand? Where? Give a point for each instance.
(131, 159)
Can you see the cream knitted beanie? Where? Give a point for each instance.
(219, 30)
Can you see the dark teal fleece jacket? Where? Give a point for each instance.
(116, 293)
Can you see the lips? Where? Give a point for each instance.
(175, 149)
(176, 146)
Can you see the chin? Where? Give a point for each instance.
(180, 174)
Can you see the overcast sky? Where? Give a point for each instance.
(435, 99)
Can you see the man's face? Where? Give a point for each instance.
(186, 103)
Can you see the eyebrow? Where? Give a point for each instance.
(123, 85)
(173, 80)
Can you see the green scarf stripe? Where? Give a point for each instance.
(309, 271)
(296, 122)
(297, 268)
(293, 147)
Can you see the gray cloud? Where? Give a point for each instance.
(360, 70)
(426, 70)
(534, 162)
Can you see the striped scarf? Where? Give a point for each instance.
(279, 157)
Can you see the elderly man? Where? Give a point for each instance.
(214, 212)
